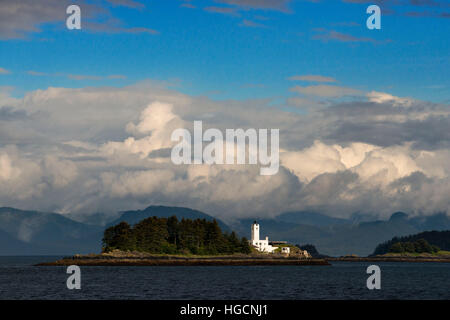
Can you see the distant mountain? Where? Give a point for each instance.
(41, 233)
(310, 218)
(96, 219)
(362, 238)
(337, 239)
(438, 221)
(133, 217)
(398, 216)
(33, 232)
(242, 227)
(9, 246)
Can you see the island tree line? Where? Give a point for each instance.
(424, 242)
(171, 236)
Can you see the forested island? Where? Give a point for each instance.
(171, 236)
(161, 241)
(428, 246)
(424, 242)
(171, 242)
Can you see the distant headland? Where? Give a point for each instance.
(428, 246)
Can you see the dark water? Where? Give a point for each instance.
(19, 279)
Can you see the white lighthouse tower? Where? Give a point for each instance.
(255, 232)
(261, 245)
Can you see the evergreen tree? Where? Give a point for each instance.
(169, 235)
(397, 248)
(118, 237)
(438, 240)
(172, 229)
(245, 246)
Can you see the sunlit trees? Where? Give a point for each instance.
(169, 236)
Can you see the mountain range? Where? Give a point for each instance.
(133, 217)
(42, 233)
(336, 237)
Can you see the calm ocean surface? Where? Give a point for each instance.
(19, 279)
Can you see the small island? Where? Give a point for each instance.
(169, 242)
(428, 246)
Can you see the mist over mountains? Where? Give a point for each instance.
(41, 233)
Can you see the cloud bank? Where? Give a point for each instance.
(108, 149)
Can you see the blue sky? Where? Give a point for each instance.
(86, 116)
(240, 52)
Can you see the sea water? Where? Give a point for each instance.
(19, 279)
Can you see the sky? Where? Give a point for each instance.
(363, 114)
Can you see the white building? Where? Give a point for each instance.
(259, 244)
(266, 246)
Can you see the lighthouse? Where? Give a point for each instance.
(261, 245)
(255, 231)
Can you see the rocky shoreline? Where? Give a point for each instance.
(120, 258)
(167, 260)
(391, 259)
